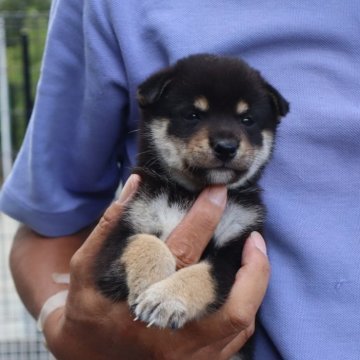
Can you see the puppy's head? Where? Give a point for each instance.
(209, 120)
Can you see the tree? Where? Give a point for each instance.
(24, 5)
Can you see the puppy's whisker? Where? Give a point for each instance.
(150, 163)
(133, 131)
(145, 152)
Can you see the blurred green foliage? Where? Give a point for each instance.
(23, 18)
(24, 5)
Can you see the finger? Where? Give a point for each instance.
(189, 239)
(247, 293)
(228, 346)
(84, 258)
(238, 342)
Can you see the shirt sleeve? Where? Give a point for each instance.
(69, 166)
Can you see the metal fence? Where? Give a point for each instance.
(22, 38)
(19, 337)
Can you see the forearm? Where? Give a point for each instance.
(34, 258)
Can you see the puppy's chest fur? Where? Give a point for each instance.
(135, 263)
(159, 214)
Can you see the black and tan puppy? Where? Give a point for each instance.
(206, 120)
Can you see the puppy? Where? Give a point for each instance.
(205, 120)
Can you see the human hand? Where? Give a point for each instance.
(94, 328)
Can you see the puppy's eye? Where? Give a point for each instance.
(247, 120)
(193, 116)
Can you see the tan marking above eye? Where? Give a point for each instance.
(242, 107)
(199, 142)
(201, 103)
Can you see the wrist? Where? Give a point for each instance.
(68, 340)
(54, 334)
(54, 302)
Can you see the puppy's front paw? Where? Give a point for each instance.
(146, 261)
(160, 307)
(181, 297)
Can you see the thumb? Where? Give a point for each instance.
(84, 258)
(250, 285)
(239, 311)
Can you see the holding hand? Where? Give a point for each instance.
(92, 327)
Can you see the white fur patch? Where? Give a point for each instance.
(155, 215)
(263, 154)
(170, 150)
(235, 220)
(221, 176)
(261, 157)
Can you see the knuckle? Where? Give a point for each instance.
(185, 253)
(241, 321)
(109, 218)
(105, 221)
(184, 257)
(183, 262)
(75, 263)
(249, 331)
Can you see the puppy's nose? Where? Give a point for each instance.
(225, 149)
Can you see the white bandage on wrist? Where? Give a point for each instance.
(55, 301)
(61, 278)
(51, 304)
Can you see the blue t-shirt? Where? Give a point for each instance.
(81, 141)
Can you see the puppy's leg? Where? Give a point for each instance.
(183, 296)
(146, 260)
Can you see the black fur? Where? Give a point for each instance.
(169, 95)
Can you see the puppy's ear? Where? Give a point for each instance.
(151, 90)
(280, 104)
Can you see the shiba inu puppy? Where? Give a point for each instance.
(205, 120)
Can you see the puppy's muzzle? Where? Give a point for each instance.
(225, 149)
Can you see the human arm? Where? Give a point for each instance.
(34, 258)
(92, 327)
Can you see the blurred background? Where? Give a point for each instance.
(23, 25)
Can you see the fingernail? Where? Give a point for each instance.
(217, 195)
(258, 241)
(128, 189)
